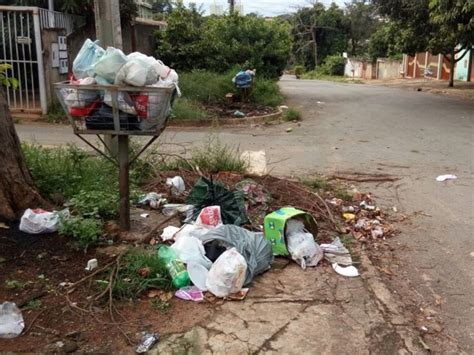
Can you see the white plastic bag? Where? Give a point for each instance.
(191, 250)
(88, 55)
(77, 98)
(301, 245)
(138, 71)
(227, 274)
(125, 103)
(176, 184)
(256, 162)
(109, 64)
(39, 221)
(11, 320)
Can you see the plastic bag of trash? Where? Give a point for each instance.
(213, 193)
(11, 320)
(39, 221)
(301, 245)
(138, 71)
(88, 55)
(256, 250)
(109, 64)
(336, 252)
(125, 102)
(209, 217)
(190, 249)
(176, 184)
(227, 274)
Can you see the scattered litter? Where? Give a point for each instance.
(191, 230)
(335, 202)
(238, 296)
(39, 221)
(348, 271)
(213, 193)
(284, 107)
(190, 249)
(171, 208)
(227, 274)
(198, 275)
(441, 178)
(366, 206)
(256, 162)
(153, 200)
(4, 226)
(177, 185)
(377, 232)
(301, 245)
(349, 216)
(169, 233)
(11, 320)
(145, 215)
(175, 267)
(148, 340)
(320, 102)
(336, 252)
(394, 209)
(289, 129)
(239, 114)
(346, 209)
(423, 328)
(190, 293)
(92, 264)
(256, 250)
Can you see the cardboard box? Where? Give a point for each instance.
(274, 226)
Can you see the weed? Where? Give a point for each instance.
(186, 109)
(266, 92)
(56, 114)
(319, 183)
(291, 115)
(162, 306)
(34, 305)
(94, 203)
(85, 231)
(15, 284)
(140, 270)
(299, 70)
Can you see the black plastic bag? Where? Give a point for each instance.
(213, 193)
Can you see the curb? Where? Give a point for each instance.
(231, 122)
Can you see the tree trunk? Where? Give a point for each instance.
(17, 190)
(452, 62)
(315, 53)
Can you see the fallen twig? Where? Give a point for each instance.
(364, 179)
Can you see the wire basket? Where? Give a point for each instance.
(116, 110)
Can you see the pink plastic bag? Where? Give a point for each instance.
(190, 293)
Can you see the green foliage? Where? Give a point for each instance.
(16, 284)
(299, 70)
(5, 80)
(159, 305)
(333, 65)
(322, 184)
(85, 231)
(266, 92)
(33, 305)
(291, 115)
(219, 43)
(362, 23)
(56, 114)
(96, 203)
(383, 43)
(139, 271)
(185, 109)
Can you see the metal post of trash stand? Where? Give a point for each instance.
(123, 182)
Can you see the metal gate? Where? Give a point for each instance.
(20, 46)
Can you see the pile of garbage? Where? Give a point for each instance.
(217, 248)
(145, 109)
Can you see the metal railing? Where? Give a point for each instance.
(55, 19)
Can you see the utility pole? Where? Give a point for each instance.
(109, 33)
(231, 6)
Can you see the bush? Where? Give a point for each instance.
(85, 231)
(333, 65)
(291, 115)
(266, 92)
(299, 70)
(185, 109)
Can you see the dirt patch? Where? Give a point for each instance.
(227, 111)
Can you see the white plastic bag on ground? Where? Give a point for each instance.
(109, 64)
(256, 162)
(190, 249)
(11, 320)
(88, 55)
(336, 252)
(227, 274)
(209, 217)
(191, 230)
(176, 184)
(39, 221)
(301, 245)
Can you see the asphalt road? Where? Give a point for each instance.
(361, 128)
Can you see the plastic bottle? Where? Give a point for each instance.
(175, 267)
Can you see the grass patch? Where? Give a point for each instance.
(85, 231)
(33, 305)
(16, 284)
(291, 114)
(187, 109)
(56, 114)
(140, 270)
(315, 74)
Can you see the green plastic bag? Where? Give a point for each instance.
(213, 193)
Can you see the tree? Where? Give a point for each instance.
(17, 191)
(440, 26)
(362, 23)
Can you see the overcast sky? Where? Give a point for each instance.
(265, 7)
